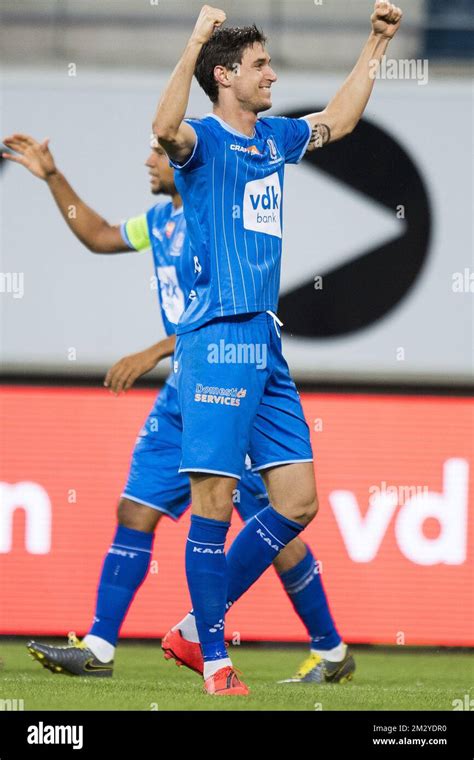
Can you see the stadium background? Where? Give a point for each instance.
(383, 352)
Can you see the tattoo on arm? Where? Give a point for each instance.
(320, 136)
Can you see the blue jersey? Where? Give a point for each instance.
(232, 188)
(163, 229)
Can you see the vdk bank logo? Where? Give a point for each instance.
(262, 205)
(363, 535)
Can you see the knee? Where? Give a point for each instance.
(125, 513)
(136, 516)
(212, 497)
(306, 510)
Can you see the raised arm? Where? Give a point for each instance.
(89, 227)
(174, 135)
(344, 110)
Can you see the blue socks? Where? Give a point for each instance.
(216, 582)
(255, 548)
(124, 570)
(304, 586)
(206, 571)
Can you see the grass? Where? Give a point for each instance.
(143, 680)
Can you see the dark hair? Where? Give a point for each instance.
(225, 48)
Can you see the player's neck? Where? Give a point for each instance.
(176, 201)
(241, 121)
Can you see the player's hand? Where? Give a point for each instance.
(34, 156)
(386, 19)
(125, 372)
(209, 19)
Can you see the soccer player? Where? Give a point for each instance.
(155, 487)
(229, 172)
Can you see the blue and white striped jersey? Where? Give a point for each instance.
(163, 229)
(232, 188)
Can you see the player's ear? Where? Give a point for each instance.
(221, 75)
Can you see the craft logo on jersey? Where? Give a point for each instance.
(172, 297)
(245, 149)
(262, 205)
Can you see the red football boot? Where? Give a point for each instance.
(225, 682)
(184, 652)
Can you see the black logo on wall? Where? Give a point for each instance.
(361, 292)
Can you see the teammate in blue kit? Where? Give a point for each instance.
(155, 487)
(229, 172)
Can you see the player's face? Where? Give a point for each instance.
(161, 173)
(253, 79)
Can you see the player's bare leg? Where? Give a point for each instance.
(293, 553)
(292, 491)
(137, 516)
(212, 496)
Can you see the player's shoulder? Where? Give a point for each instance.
(269, 120)
(287, 131)
(210, 128)
(158, 216)
(276, 122)
(208, 122)
(160, 210)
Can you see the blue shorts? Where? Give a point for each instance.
(154, 479)
(237, 397)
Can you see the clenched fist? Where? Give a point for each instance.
(386, 19)
(209, 19)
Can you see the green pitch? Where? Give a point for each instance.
(143, 680)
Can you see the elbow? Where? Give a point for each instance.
(164, 134)
(350, 127)
(340, 123)
(349, 122)
(95, 245)
(343, 129)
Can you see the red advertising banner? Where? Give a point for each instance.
(393, 535)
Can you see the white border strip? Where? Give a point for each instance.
(275, 464)
(153, 506)
(211, 472)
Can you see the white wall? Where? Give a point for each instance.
(103, 307)
(151, 33)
